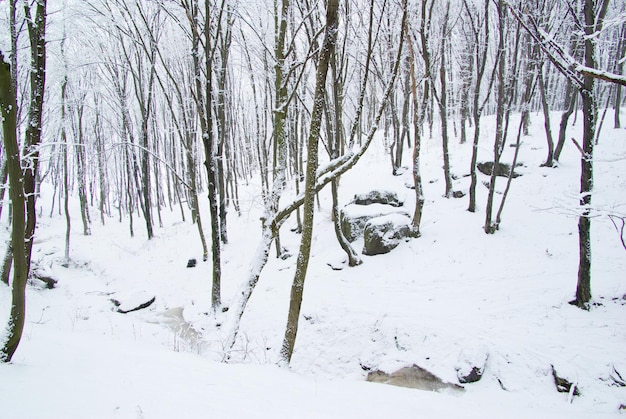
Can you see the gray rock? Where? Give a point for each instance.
(354, 217)
(471, 364)
(502, 169)
(383, 234)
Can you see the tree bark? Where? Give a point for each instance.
(297, 287)
(8, 108)
(418, 120)
(497, 145)
(583, 287)
(481, 64)
(443, 106)
(36, 33)
(570, 101)
(546, 118)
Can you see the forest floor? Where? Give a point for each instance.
(433, 301)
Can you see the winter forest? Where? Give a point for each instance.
(268, 208)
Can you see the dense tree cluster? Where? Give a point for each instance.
(135, 106)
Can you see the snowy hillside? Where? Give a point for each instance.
(436, 301)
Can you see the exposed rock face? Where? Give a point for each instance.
(378, 197)
(412, 377)
(354, 217)
(383, 234)
(502, 169)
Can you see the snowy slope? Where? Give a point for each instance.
(432, 301)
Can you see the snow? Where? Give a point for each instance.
(452, 295)
(373, 210)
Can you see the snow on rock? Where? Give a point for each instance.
(354, 217)
(378, 197)
(383, 234)
(502, 169)
(471, 364)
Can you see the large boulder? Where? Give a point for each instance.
(502, 169)
(383, 234)
(354, 217)
(378, 197)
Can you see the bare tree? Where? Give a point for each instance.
(327, 50)
(8, 108)
(23, 180)
(583, 76)
(479, 26)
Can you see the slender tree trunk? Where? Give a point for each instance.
(480, 52)
(81, 168)
(546, 117)
(297, 287)
(443, 106)
(619, 69)
(66, 175)
(570, 101)
(8, 108)
(497, 145)
(418, 119)
(36, 31)
(222, 128)
(583, 288)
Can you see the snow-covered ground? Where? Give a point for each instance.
(433, 301)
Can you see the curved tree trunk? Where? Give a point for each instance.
(297, 287)
(8, 107)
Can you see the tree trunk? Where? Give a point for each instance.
(480, 53)
(583, 288)
(297, 287)
(210, 163)
(497, 145)
(570, 101)
(546, 118)
(443, 106)
(36, 33)
(418, 119)
(619, 69)
(81, 167)
(8, 108)
(66, 175)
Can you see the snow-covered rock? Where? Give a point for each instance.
(502, 169)
(378, 197)
(471, 364)
(383, 234)
(354, 217)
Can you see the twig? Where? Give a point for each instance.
(620, 230)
